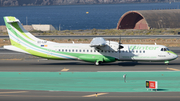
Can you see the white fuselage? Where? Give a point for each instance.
(130, 52)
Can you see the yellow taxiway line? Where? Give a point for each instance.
(173, 69)
(64, 70)
(13, 92)
(95, 95)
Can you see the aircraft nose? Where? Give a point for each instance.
(175, 56)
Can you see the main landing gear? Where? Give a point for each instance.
(97, 63)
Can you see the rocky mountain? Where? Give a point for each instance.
(70, 2)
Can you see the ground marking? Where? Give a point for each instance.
(13, 92)
(173, 69)
(47, 96)
(64, 70)
(11, 59)
(93, 95)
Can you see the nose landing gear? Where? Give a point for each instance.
(166, 62)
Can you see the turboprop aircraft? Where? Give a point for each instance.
(98, 51)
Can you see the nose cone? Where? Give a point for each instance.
(174, 55)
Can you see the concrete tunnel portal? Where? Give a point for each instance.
(132, 20)
(149, 19)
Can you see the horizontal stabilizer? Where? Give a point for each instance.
(98, 42)
(13, 48)
(12, 19)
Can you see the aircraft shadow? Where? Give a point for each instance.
(124, 64)
(67, 63)
(160, 90)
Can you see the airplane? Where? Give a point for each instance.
(98, 51)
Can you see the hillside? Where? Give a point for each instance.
(71, 2)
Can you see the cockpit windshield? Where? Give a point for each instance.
(165, 49)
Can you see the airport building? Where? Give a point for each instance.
(38, 27)
(148, 19)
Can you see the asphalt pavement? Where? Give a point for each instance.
(28, 63)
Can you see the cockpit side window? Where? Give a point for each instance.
(165, 49)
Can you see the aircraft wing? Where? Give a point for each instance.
(98, 42)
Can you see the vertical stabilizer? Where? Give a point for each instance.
(16, 32)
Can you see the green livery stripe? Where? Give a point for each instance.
(11, 18)
(76, 55)
(9, 27)
(20, 30)
(15, 44)
(14, 32)
(15, 25)
(39, 54)
(85, 57)
(171, 52)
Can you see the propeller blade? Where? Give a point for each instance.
(120, 46)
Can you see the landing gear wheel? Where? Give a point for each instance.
(97, 63)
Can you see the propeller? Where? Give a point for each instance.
(120, 46)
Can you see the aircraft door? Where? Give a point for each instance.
(119, 53)
(49, 54)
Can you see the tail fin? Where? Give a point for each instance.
(16, 31)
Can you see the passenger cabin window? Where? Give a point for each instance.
(144, 51)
